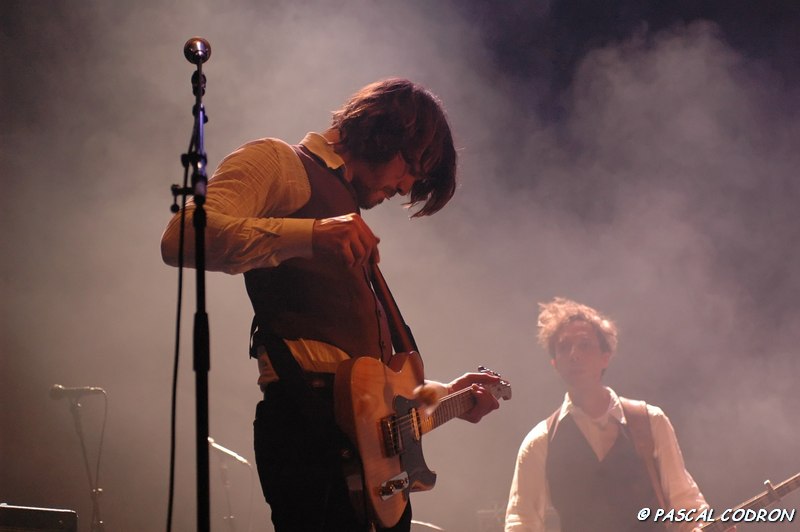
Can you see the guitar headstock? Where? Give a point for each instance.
(501, 390)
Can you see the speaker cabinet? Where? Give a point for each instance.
(23, 519)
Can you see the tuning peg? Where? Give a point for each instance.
(484, 369)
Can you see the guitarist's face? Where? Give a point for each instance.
(375, 183)
(579, 359)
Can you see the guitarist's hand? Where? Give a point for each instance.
(346, 238)
(485, 400)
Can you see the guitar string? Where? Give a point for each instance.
(407, 420)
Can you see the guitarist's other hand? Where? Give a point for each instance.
(346, 238)
(485, 401)
(429, 393)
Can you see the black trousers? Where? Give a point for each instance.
(298, 455)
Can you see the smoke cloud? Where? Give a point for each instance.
(654, 179)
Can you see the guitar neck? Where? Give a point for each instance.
(774, 495)
(769, 497)
(449, 407)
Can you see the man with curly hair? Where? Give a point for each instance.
(288, 218)
(599, 458)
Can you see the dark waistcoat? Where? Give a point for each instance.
(597, 496)
(317, 299)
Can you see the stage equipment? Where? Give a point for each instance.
(197, 51)
(26, 519)
(74, 395)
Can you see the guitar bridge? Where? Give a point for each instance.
(393, 486)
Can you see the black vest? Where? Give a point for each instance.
(316, 299)
(597, 496)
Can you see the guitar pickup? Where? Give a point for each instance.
(392, 436)
(393, 486)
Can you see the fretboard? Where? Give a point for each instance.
(449, 407)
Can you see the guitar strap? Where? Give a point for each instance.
(551, 424)
(640, 433)
(402, 339)
(642, 436)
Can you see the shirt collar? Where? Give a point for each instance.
(319, 146)
(614, 408)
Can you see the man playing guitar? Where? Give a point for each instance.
(288, 218)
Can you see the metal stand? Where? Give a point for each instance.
(95, 490)
(197, 51)
(226, 453)
(226, 484)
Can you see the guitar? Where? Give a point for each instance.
(768, 498)
(375, 407)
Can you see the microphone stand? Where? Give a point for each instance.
(196, 158)
(226, 485)
(96, 491)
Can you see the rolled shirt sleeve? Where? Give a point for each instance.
(248, 199)
(528, 497)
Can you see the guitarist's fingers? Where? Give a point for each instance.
(485, 403)
(485, 400)
(345, 238)
(468, 379)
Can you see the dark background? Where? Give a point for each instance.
(639, 156)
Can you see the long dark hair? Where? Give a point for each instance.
(398, 116)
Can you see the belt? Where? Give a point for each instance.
(322, 382)
(319, 380)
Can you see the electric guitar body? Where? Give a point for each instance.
(375, 407)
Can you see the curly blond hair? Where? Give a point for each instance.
(560, 311)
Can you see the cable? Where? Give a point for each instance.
(173, 409)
